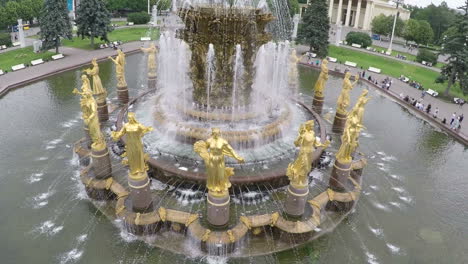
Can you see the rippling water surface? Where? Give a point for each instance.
(413, 209)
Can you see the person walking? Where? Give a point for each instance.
(436, 112)
(428, 109)
(454, 116)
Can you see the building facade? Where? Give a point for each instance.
(359, 13)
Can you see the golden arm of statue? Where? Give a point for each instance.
(299, 138)
(116, 135)
(145, 129)
(90, 71)
(113, 60)
(76, 91)
(356, 80)
(229, 151)
(319, 144)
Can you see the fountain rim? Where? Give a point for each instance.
(201, 177)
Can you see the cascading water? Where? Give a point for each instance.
(238, 81)
(210, 73)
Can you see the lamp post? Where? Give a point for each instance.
(398, 2)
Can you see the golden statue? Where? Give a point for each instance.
(134, 131)
(119, 62)
(299, 169)
(89, 114)
(343, 99)
(212, 152)
(322, 79)
(98, 89)
(151, 57)
(349, 140)
(358, 109)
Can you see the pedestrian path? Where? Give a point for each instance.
(74, 58)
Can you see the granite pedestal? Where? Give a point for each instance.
(103, 112)
(317, 104)
(140, 194)
(218, 209)
(296, 200)
(122, 95)
(339, 123)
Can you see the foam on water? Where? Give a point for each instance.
(389, 158)
(82, 238)
(316, 174)
(367, 135)
(71, 256)
(394, 249)
(371, 258)
(48, 228)
(381, 206)
(395, 177)
(124, 235)
(376, 231)
(42, 158)
(398, 189)
(216, 260)
(157, 185)
(374, 187)
(35, 177)
(69, 123)
(396, 204)
(405, 199)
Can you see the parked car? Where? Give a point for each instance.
(458, 100)
(432, 92)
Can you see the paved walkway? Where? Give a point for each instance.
(74, 58)
(398, 87)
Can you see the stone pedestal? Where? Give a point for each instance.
(122, 94)
(103, 112)
(140, 194)
(339, 123)
(339, 176)
(317, 104)
(151, 80)
(218, 209)
(101, 163)
(296, 200)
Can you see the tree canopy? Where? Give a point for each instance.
(314, 28)
(455, 44)
(11, 11)
(93, 20)
(55, 24)
(383, 25)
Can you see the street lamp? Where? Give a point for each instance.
(398, 2)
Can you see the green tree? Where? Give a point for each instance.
(12, 12)
(55, 24)
(3, 21)
(93, 20)
(455, 44)
(411, 30)
(424, 34)
(315, 27)
(383, 25)
(293, 7)
(439, 17)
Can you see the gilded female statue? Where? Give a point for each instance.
(358, 109)
(212, 152)
(134, 131)
(349, 140)
(119, 62)
(299, 169)
(98, 89)
(343, 99)
(151, 57)
(89, 114)
(322, 79)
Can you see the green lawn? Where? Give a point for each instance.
(119, 23)
(393, 68)
(124, 35)
(409, 56)
(18, 56)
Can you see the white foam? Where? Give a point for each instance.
(35, 177)
(216, 260)
(69, 123)
(157, 185)
(40, 205)
(398, 189)
(43, 196)
(396, 204)
(126, 236)
(374, 187)
(376, 231)
(367, 135)
(82, 238)
(389, 158)
(405, 199)
(381, 206)
(183, 169)
(381, 153)
(71, 256)
(394, 249)
(316, 174)
(48, 228)
(371, 258)
(394, 176)
(43, 158)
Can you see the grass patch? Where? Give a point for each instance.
(24, 55)
(124, 35)
(393, 68)
(119, 23)
(409, 57)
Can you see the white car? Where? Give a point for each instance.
(432, 92)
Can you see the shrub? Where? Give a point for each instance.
(360, 38)
(139, 18)
(426, 55)
(5, 39)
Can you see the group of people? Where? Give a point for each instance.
(455, 121)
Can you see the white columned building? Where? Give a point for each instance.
(359, 13)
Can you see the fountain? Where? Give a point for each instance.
(223, 101)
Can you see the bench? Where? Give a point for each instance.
(58, 56)
(432, 92)
(130, 23)
(331, 59)
(388, 53)
(3, 47)
(145, 39)
(37, 62)
(16, 44)
(350, 63)
(18, 67)
(1, 72)
(356, 45)
(423, 62)
(373, 69)
(369, 48)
